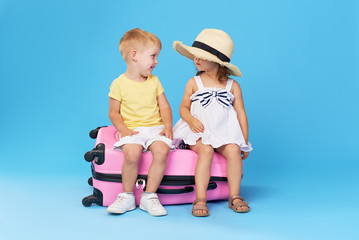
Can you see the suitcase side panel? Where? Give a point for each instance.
(180, 161)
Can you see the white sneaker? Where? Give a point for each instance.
(151, 204)
(123, 203)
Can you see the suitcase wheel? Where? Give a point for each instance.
(89, 156)
(89, 200)
(89, 181)
(93, 133)
(97, 154)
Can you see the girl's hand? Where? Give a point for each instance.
(244, 155)
(167, 131)
(127, 132)
(196, 125)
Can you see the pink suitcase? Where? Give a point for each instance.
(177, 186)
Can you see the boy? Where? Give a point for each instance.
(140, 112)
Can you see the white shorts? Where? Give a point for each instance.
(145, 137)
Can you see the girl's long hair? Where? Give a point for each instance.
(221, 73)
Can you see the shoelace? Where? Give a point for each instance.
(154, 202)
(120, 199)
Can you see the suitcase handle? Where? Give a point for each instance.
(211, 186)
(175, 191)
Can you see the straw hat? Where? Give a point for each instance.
(212, 45)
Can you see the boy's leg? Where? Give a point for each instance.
(232, 153)
(149, 199)
(160, 152)
(126, 201)
(203, 171)
(132, 154)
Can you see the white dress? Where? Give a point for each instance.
(213, 107)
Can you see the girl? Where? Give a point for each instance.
(213, 116)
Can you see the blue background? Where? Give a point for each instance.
(299, 61)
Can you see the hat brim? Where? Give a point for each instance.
(191, 52)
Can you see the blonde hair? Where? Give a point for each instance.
(137, 38)
(222, 73)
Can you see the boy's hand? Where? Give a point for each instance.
(127, 132)
(244, 155)
(196, 125)
(167, 131)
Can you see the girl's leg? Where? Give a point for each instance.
(232, 153)
(132, 153)
(160, 152)
(203, 171)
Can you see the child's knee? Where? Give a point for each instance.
(233, 149)
(207, 151)
(161, 153)
(131, 157)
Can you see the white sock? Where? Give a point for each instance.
(146, 193)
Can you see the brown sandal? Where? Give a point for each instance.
(203, 207)
(240, 203)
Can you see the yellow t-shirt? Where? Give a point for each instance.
(139, 106)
